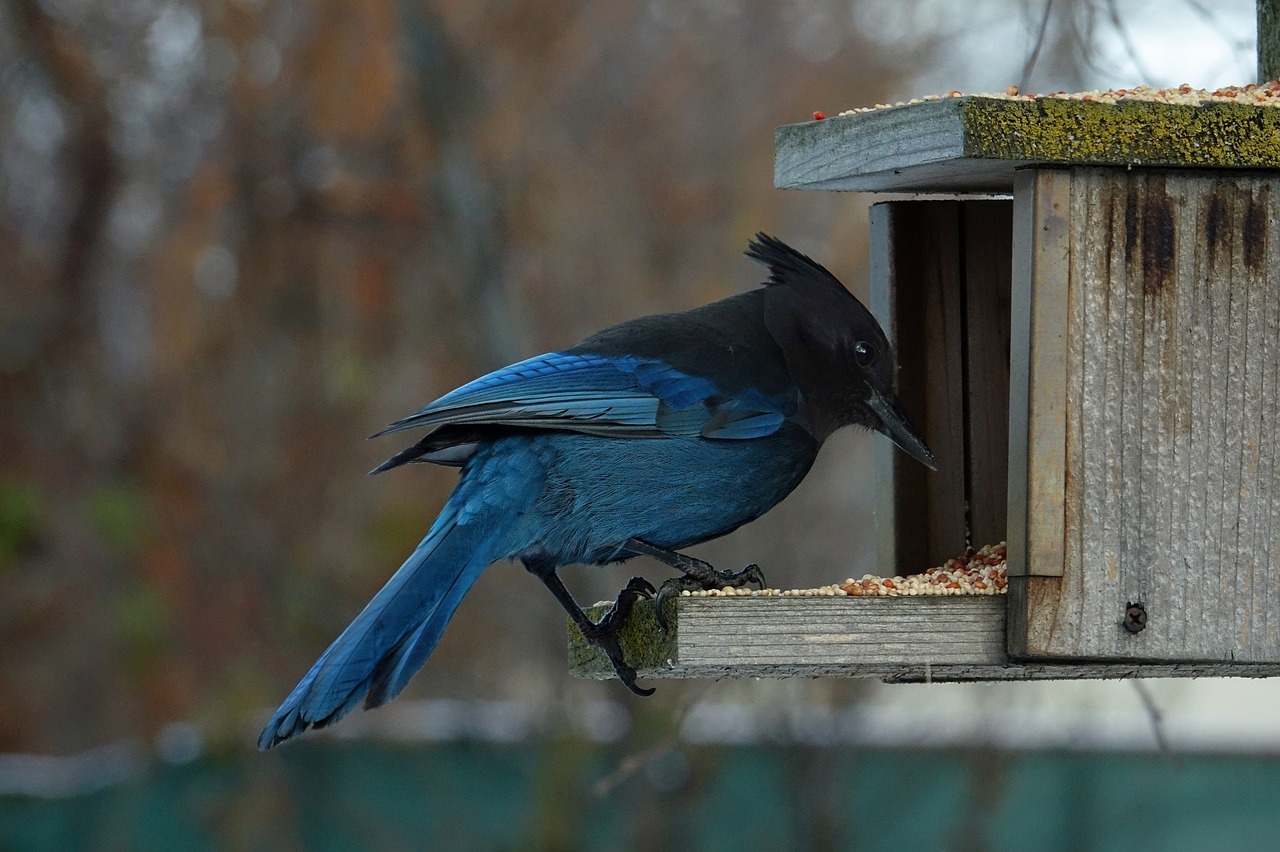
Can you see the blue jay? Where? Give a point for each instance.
(646, 438)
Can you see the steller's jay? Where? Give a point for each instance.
(648, 437)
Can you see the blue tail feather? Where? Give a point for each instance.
(396, 632)
(396, 668)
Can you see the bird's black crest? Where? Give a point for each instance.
(786, 264)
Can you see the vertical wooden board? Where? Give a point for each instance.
(988, 252)
(916, 294)
(884, 308)
(1105, 352)
(1171, 421)
(1019, 386)
(1265, 538)
(1268, 29)
(939, 397)
(1042, 241)
(1037, 479)
(1268, 542)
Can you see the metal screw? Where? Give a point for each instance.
(1135, 618)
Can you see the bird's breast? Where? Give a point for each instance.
(598, 492)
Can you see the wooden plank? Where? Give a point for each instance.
(917, 290)
(1268, 30)
(723, 632)
(1171, 423)
(836, 153)
(891, 639)
(1038, 367)
(883, 304)
(842, 631)
(975, 144)
(988, 250)
(1037, 377)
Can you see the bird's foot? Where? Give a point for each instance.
(703, 580)
(698, 575)
(604, 633)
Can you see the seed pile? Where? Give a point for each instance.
(1254, 94)
(978, 572)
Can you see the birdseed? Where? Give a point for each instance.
(1254, 94)
(977, 572)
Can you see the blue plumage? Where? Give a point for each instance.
(391, 638)
(588, 393)
(646, 438)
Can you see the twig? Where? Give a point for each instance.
(1034, 56)
(1114, 12)
(1157, 723)
(636, 761)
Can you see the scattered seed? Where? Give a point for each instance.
(1255, 94)
(977, 572)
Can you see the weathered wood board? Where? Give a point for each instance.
(906, 639)
(975, 144)
(1037, 383)
(1161, 350)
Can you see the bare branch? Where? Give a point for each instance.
(1113, 11)
(1024, 83)
(1157, 722)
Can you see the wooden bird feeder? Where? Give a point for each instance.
(1088, 333)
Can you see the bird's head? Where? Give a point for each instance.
(834, 349)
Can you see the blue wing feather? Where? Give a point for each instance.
(605, 396)
(678, 390)
(740, 425)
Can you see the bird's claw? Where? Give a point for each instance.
(627, 675)
(750, 574)
(672, 588)
(716, 580)
(604, 633)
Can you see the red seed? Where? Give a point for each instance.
(817, 116)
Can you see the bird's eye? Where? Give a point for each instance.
(864, 353)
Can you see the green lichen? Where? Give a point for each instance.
(1051, 130)
(644, 646)
(807, 134)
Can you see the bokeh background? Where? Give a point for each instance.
(238, 236)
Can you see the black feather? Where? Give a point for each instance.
(786, 265)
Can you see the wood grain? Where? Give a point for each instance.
(1171, 419)
(988, 235)
(1037, 436)
(843, 631)
(1037, 397)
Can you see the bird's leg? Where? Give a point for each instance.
(603, 633)
(697, 575)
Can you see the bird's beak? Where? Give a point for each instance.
(895, 424)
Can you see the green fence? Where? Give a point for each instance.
(568, 794)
